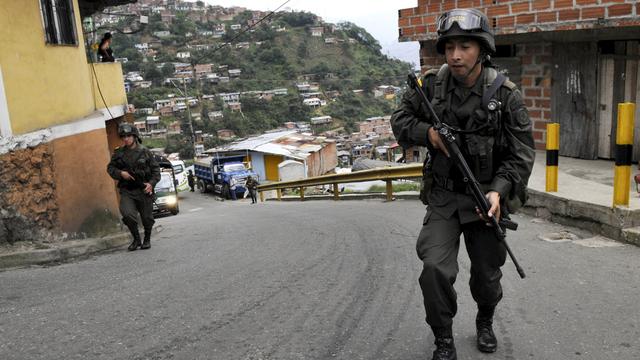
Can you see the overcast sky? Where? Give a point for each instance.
(379, 17)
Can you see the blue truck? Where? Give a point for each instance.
(220, 173)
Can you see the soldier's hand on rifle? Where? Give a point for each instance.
(494, 199)
(436, 141)
(148, 188)
(125, 175)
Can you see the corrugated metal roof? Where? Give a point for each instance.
(253, 142)
(287, 143)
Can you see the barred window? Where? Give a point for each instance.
(59, 22)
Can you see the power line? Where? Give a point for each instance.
(243, 31)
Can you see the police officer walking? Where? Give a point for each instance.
(137, 173)
(493, 131)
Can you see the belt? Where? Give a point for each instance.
(450, 184)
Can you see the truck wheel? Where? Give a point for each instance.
(226, 192)
(175, 210)
(202, 186)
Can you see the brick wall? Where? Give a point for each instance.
(515, 19)
(519, 17)
(536, 86)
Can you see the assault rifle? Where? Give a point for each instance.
(446, 133)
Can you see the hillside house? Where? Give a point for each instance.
(316, 31)
(230, 97)
(226, 134)
(314, 102)
(267, 151)
(152, 123)
(183, 54)
(234, 106)
(321, 120)
(162, 34)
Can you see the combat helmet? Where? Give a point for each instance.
(128, 129)
(468, 23)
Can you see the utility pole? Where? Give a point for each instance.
(193, 135)
(189, 121)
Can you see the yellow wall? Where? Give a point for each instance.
(109, 77)
(45, 85)
(271, 167)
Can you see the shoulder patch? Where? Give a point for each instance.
(433, 72)
(510, 84)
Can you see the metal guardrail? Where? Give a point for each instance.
(386, 174)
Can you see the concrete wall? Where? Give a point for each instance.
(82, 189)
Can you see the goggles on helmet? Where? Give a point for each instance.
(466, 20)
(126, 129)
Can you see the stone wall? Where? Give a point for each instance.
(28, 207)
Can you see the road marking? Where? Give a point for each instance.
(196, 209)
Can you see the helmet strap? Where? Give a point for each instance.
(478, 61)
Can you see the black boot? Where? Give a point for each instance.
(486, 340)
(136, 240)
(147, 240)
(445, 348)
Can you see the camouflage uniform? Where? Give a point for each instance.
(140, 163)
(501, 156)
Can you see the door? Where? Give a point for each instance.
(574, 98)
(618, 81)
(271, 167)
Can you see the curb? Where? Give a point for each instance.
(64, 251)
(618, 223)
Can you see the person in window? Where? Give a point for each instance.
(104, 50)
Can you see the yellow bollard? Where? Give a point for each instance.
(279, 194)
(624, 154)
(553, 147)
(336, 194)
(261, 196)
(389, 191)
(301, 193)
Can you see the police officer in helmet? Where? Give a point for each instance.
(137, 173)
(493, 130)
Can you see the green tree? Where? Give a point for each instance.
(151, 72)
(167, 69)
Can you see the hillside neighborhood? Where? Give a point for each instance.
(198, 100)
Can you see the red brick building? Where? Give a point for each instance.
(574, 61)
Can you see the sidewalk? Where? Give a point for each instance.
(584, 198)
(21, 255)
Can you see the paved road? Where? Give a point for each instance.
(313, 280)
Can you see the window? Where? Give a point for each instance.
(59, 22)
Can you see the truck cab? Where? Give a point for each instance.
(225, 175)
